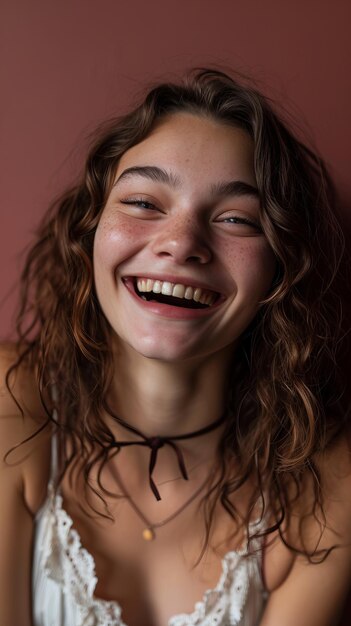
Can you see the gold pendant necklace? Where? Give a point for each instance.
(148, 533)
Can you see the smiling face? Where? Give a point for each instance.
(180, 261)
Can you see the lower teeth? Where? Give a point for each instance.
(146, 300)
(181, 303)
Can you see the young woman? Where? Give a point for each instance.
(174, 446)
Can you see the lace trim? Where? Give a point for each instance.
(73, 568)
(227, 600)
(70, 565)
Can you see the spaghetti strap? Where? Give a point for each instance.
(54, 457)
(54, 439)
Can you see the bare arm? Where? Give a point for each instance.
(314, 594)
(15, 552)
(18, 493)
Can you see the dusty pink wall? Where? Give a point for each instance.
(68, 64)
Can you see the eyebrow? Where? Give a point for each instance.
(158, 174)
(152, 172)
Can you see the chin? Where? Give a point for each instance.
(164, 353)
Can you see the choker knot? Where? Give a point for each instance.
(157, 442)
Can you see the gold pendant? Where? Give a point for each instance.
(148, 534)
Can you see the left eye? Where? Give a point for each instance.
(142, 204)
(241, 220)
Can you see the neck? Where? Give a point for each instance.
(161, 398)
(168, 399)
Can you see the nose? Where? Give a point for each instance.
(184, 240)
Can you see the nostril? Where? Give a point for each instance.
(196, 259)
(184, 248)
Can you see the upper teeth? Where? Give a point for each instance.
(177, 290)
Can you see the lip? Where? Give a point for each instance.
(167, 310)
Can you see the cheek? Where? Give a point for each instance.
(117, 238)
(252, 264)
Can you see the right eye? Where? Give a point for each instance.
(140, 203)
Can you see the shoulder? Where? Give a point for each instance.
(24, 455)
(320, 515)
(331, 488)
(334, 466)
(21, 382)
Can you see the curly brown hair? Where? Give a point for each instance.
(283, 399)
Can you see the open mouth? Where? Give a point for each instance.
(172, 294)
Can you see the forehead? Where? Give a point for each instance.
(196, 146)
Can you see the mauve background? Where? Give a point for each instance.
(69, 64)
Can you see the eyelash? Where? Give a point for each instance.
(139, 202)
(241, 220)
(236, 220)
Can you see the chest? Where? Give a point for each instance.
(156, 580)
(151, 580)
(64, 585)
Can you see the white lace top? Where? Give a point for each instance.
(64, 581)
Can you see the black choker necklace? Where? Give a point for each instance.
(155, 443)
